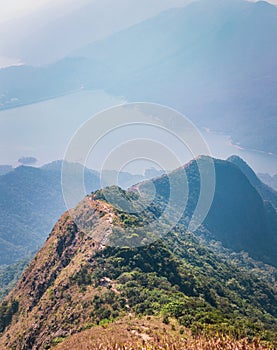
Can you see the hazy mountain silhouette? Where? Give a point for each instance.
(213, 60)
(31, 201)
(269, 180)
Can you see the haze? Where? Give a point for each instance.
(40, 32)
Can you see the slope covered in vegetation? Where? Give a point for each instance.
(242, 214)
(78, 281)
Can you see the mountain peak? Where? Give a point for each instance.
(78, 280)
(245, 168)
(266, 192)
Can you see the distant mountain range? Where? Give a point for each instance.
(50, 32)
(31, 201)
(81, 279)
(269, 180)
(213, 60)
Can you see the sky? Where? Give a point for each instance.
(17, 8)
(38, 32)
(11, 9)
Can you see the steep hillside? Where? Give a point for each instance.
(31, 201)
(267, 193)
(78, 280)
(238, 216)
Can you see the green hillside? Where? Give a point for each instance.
(78, 281)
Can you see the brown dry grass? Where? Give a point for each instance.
(150, 334)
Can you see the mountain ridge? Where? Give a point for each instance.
(246, 221)
(78, 280)
(31, 201)
(266, 192)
